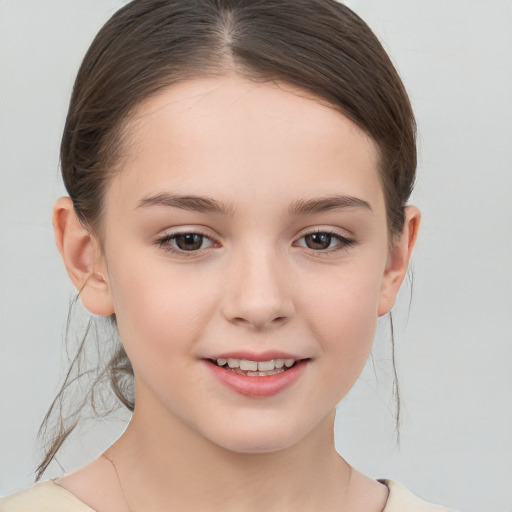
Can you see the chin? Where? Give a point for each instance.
(257, 439)
(257, 444)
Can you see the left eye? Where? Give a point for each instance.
(187, 242)
(323, 241)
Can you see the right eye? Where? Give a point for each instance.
(184, 242)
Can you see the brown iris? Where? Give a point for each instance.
(318, 241)
(189, 241)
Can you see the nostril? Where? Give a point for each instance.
(258, 314)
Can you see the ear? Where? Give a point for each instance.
(398, 260)
(82, 257)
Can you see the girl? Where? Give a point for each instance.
(238, 176)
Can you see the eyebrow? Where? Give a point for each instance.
(208, 205)
(192, 203)
(324, 204)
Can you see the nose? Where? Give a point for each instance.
(257, 291)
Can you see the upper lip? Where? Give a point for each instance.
(267, 355)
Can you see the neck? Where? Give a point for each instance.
(164, 462)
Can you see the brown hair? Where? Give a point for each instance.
(320, 46)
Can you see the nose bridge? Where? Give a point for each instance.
(258, 291)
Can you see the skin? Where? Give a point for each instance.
(258, 150)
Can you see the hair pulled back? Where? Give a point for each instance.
(320, 46)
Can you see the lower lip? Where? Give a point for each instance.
(257, 386)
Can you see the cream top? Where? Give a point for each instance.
(47, 496)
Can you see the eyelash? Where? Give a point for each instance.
(164, 242)
(344, 243)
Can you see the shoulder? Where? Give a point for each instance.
(402, 500)
(43, 497)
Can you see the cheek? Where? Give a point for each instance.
(343, 315)
(158, 311)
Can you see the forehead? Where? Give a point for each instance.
(237, 139)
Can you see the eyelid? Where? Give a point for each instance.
(163, 241)
(345, 241)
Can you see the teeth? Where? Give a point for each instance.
(250, 366)
(234, 363)
(266, 366)
(256, 366)
(257, 374)
(264, 374)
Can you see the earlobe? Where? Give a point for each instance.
(81, 255)
(398, 262)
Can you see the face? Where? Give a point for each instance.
(247, 224)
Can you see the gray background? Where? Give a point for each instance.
(454, 347)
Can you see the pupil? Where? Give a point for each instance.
(318, 240)
(190, 242)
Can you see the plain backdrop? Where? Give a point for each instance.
(454, 340)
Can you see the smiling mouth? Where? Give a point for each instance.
(255, 368)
